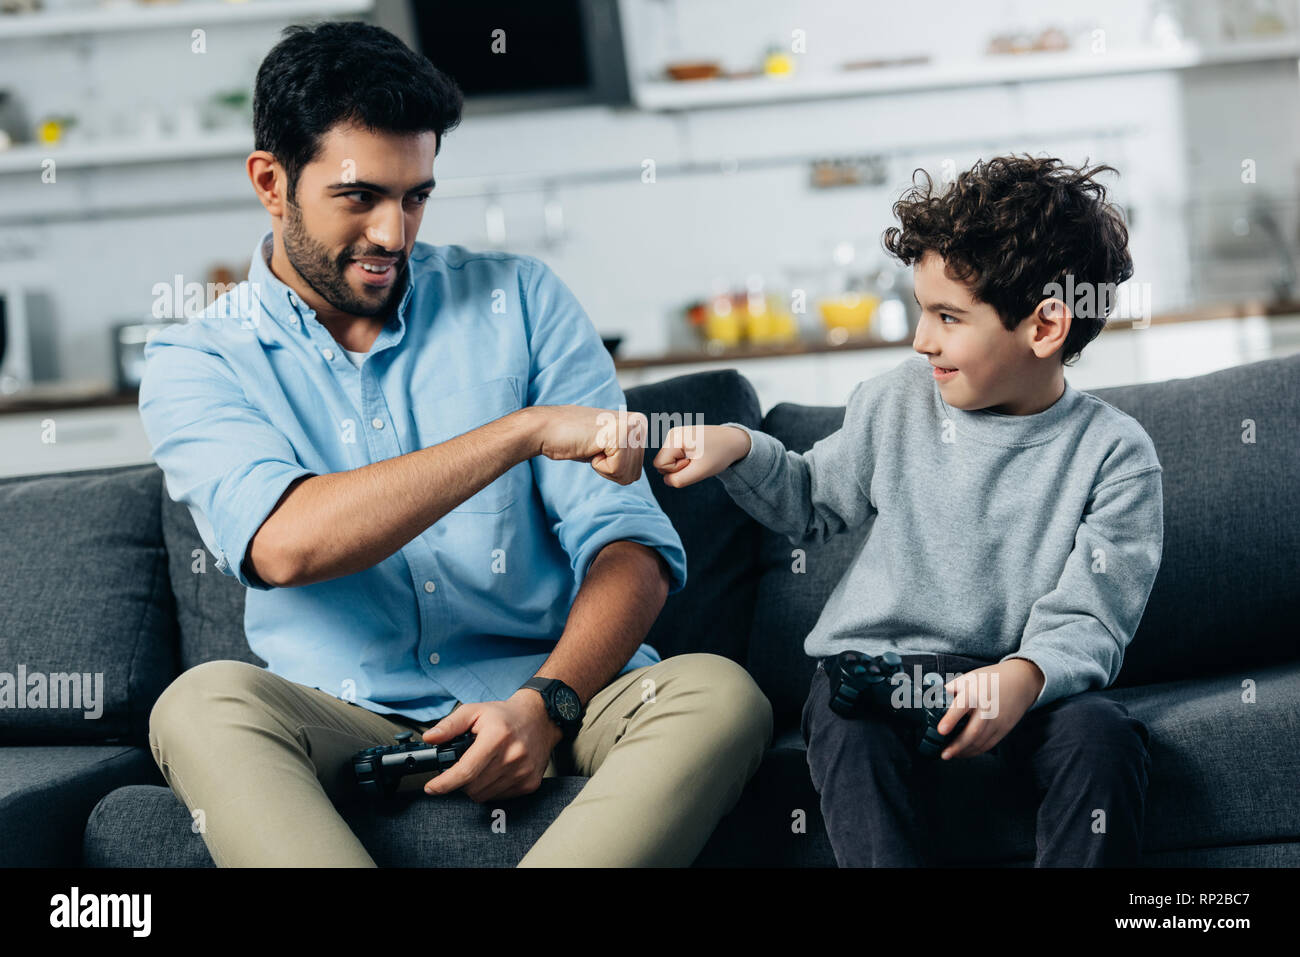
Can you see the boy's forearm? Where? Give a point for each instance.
(776, 487)
(740, 447)
(764, 482)
(812, 496)
(338, 524)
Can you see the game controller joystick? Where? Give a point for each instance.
(379, 770)
(862, 684)
(932, 742)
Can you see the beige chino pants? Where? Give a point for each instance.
(667, 748)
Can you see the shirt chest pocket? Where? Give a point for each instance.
(444, 418)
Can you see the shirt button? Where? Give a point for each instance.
(328, 353)
(434, 658)
(293, 320)
(377, 422)
(429, 586)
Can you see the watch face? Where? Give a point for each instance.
(566, 702)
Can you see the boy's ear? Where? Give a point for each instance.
(1052, 318)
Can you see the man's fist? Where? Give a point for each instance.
(613, 442)
(692, 453)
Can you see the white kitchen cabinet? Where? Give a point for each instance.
(64, 440)
(104, 437)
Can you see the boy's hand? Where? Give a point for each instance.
(997, 697)
(693, 453)
(614, 444)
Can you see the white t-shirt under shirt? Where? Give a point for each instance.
(357, 357)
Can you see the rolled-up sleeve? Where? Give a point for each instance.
(571, 366)
(220, 455)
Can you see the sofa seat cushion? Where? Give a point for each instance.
(47, 793)
(1224, 773)
(151, 827)
(1224, 791)
(1225, 769)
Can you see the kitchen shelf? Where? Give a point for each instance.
(28, 157)
(668, 95)
(146, 17)
(1244, 309)
(1282, 316)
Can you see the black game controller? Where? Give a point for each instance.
(865, 684)
(379, 770)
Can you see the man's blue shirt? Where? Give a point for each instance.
(254, 393)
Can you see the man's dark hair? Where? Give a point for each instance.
(1010, 227)
(328, 73)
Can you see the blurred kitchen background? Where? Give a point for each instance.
(710, 177)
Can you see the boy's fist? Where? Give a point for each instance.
(692, 453)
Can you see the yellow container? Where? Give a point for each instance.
(772, 325)
(724, 327)
(852, 313)
(778, 63)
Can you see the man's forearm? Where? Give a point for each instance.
(338, 524)
(618, 601)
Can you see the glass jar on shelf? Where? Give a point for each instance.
(846, 301)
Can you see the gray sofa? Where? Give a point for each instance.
(99, 572)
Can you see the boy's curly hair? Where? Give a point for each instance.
(1010, 226)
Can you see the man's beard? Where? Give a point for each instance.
(328, 277)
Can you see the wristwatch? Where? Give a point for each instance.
(563, 706)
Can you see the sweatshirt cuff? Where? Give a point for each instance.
(745, 475)
(1056, 682)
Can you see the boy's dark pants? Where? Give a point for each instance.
(1085, 753)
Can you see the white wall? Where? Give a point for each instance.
(635, 252)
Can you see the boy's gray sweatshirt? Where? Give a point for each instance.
(994, 536)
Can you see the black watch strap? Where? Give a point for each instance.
(559, 698)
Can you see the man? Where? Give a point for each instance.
(421, 548)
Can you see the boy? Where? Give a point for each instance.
(1017, 524)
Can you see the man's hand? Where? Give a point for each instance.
(997, 697)
(512, 745)
(693, 453)
(613, 443)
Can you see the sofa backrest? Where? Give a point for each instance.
(1226, 596)
(87, 620)
(793, 588)
(713, 610)
(209, 603)
(711, 613)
